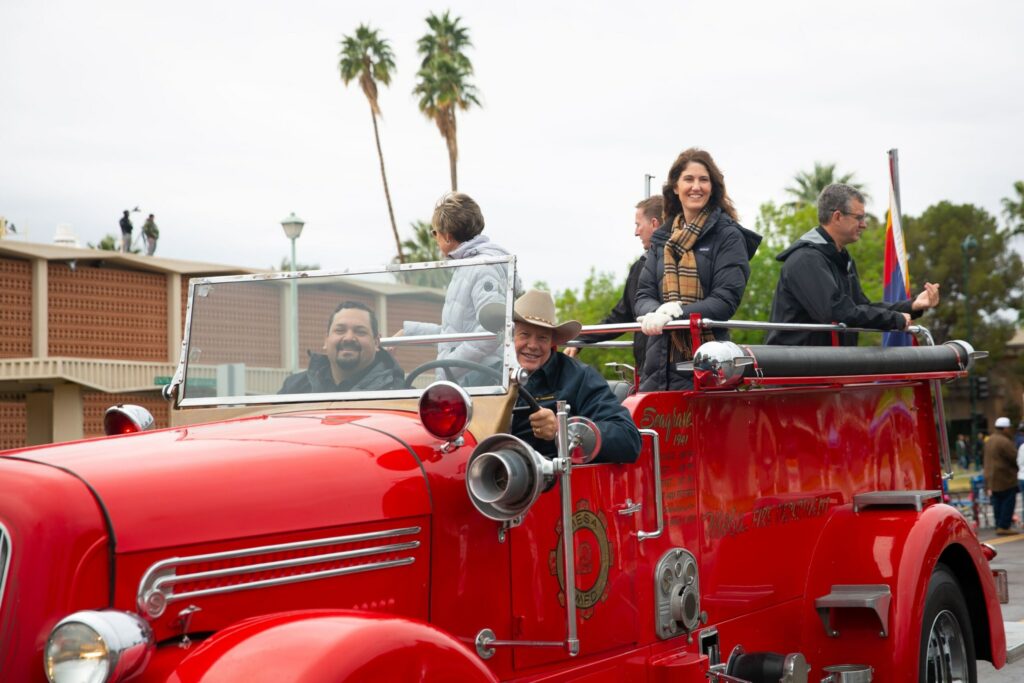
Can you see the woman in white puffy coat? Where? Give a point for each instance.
(457, 226)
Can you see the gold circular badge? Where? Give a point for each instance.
(593, 554)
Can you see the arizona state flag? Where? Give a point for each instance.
(895, 276)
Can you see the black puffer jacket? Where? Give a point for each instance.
(819, 284)
(383, 374)
(723, 252)
(623, 313)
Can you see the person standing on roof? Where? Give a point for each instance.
(126, 232)
(151, 233)
(1001, 475)
(819, 281)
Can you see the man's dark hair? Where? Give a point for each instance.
(359, 306)
(836, 197)
(653, 207)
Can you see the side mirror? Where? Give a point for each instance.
(584, 440)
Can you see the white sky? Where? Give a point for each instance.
(222, 116)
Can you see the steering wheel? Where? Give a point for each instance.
(447, 364)
(532, 405)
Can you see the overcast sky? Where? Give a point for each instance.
(221, 117)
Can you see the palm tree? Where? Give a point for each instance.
(420, 248)
(368, 57)
(810, 185)
(447, 37)
(1014, 210)
(443, 86)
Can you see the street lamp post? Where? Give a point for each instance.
(292, 225)
(969, 245)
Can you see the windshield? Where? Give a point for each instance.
(384, 332)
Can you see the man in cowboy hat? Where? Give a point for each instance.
(556, 377)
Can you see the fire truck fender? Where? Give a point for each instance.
(901, 549)
(330, 647)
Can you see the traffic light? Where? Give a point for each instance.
(982, 386)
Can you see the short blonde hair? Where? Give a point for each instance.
(457, 215)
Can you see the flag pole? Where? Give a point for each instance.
(895, 275)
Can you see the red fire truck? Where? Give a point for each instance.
(782, 523)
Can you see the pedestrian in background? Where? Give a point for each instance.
(151, 233)
(126, 233)
(1001, 475)
(962, 451)
(1020, 470)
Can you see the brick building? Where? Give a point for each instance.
(82, 329)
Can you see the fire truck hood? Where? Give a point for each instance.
(252, 476)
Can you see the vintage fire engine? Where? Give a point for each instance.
(782, 523)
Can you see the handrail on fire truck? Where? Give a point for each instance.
(921, 333)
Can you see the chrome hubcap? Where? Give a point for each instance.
(947, 652)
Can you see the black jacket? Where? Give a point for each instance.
(566, 379)
(383, 374)
(819, 284)
(723, 252)
(623, 313)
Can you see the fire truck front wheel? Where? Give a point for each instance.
(947, 644)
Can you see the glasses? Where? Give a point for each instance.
(859, 217)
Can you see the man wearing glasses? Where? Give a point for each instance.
(819, 281)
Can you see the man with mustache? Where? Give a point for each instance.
(352, 358)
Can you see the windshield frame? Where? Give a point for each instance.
(175, 389)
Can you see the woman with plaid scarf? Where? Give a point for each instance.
(699, 262)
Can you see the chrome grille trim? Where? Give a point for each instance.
(156, 589)
(171, 580)
(5, 560)
(310, 576)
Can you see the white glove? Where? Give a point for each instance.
(653, 323)
(672, 308)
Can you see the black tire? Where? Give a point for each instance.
(946, 652)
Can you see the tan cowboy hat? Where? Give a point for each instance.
(535, 307)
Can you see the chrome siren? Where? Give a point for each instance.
(720, 364)
(505, 476)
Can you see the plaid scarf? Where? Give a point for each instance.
(680, 282)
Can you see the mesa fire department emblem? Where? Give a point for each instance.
(593, 553)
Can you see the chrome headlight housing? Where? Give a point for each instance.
(97, 647)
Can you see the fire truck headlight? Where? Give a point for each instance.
(97, 647)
